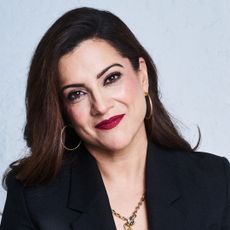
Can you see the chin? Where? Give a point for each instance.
(117, 144)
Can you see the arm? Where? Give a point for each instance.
(15, 215)
(226, 215)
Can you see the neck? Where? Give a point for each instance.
(124, 167)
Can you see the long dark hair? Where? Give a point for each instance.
(45, 116)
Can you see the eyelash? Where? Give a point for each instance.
(76, 95)
(112, 75)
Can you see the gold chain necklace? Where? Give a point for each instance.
(130, 221)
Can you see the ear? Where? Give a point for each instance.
(143, 74)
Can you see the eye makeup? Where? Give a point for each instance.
(112, 77)
(76, 94)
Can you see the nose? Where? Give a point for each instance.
(100, 104)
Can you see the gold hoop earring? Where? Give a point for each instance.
(69, 149)
(149, 106)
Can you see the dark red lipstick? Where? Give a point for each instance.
(110, 123)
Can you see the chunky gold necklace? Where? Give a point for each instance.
(130, 221)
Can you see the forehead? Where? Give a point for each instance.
(89, 58)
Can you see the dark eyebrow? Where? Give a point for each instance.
(98, 76)
(72, 86)
(107, 68)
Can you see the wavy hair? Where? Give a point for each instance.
(45, 115)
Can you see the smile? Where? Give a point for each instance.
(110, 123)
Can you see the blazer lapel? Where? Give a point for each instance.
(88, 195)
(165, 205)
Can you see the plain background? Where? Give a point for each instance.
(188, 40)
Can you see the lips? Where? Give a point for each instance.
(110, 123)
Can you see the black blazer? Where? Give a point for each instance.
(184, 191)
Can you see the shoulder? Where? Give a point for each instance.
(25, 195)
(202, 161)
(11, 183)
(15, 205)
(203, 171)
(197, 160)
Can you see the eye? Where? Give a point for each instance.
(75, 95)
(113, 77)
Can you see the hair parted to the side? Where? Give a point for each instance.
(45, 116)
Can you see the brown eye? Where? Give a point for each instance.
(113, 77)
(75, 96)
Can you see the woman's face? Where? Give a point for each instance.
(97, 84)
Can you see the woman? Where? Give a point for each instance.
(104, 151)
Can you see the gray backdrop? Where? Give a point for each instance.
(189, 41)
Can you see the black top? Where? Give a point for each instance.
(184, 191)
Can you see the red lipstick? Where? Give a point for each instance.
(110, 123)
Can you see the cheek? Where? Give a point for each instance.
(130, 90)
(77, 116)
(133, 96)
